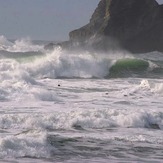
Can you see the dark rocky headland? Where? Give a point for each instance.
(132, 25)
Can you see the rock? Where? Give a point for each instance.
(134, 25)
(90, 29)
(155, 126)
(50, 46)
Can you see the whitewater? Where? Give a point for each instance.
(79, 106)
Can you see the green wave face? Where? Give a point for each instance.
(128, 68)
(27, 59)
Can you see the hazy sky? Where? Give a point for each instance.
(44, 19)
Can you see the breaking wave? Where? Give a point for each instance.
(37, 62)
(64, 64)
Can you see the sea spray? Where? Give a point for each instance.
(4, 43)
(20, 45)
(25, 45)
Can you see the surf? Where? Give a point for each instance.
(61, 63)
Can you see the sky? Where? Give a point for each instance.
(44, 19)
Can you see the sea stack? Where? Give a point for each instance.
(133, 25)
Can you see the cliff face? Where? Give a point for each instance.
(93, 27)
(135, 25)
(96, 22)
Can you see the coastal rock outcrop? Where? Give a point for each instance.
(133, 25)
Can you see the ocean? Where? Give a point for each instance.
(79, 106)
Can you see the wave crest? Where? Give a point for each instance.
(20, 45)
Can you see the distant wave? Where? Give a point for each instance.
(20, 45)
